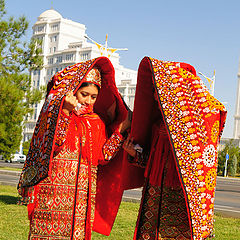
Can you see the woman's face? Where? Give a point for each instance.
(87, 95)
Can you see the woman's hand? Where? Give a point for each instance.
(70, 103)
(128, 146)
(126, 124)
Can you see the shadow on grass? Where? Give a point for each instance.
(8, 199)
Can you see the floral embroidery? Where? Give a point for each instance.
(209, 156)
(211, 179)
(186, 104)
(112, 146)
(215, 131)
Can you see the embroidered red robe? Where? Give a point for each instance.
(64, 202)
(45, 163)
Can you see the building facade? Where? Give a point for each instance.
(236, 130)
(63, 44)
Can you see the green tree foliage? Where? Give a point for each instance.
(26, 146)
(234, 155)
(16, 94)
(233, 166)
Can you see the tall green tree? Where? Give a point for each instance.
(16, 95)
(233, 166)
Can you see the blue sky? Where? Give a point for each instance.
(203, 33)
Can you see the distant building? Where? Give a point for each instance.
(236, 130)
(127, 90)
(64, 44)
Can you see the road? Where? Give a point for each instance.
(227, 193)
(227, 199)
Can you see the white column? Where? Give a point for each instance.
(236, 132)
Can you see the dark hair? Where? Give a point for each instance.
(86, 84)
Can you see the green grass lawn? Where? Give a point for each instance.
(14, 222)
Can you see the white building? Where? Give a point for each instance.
(236, 131)
(64, 44)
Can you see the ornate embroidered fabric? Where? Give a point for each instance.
(194, 121)
(92, 136)
(62, 129)
(163, 214)
(187, 106)
(65, 201)
(62, 200)
(112, 145)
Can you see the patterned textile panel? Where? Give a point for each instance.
(195, 121)
(37, 163)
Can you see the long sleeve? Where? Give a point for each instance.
(110, 146)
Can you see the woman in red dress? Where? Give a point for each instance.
(77, 134)
(175, 130)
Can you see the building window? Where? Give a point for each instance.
(54, 27)
(50, 50)
(53, 38)
(84, 56)
(54, 49)
(121, 90)
(36, 72)
(56, 69)
(59, 59)
(131, 91)
(35, 114)
(50, 61)
(69, 57)
(38, 82)
(40, 28)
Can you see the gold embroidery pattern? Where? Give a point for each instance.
(186, 104)
(215, 132)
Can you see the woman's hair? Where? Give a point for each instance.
(86, 84)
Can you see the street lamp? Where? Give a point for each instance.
(225, 170)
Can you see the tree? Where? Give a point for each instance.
(26, 146)
(233, 166)
(234, 154)
(16, 95)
